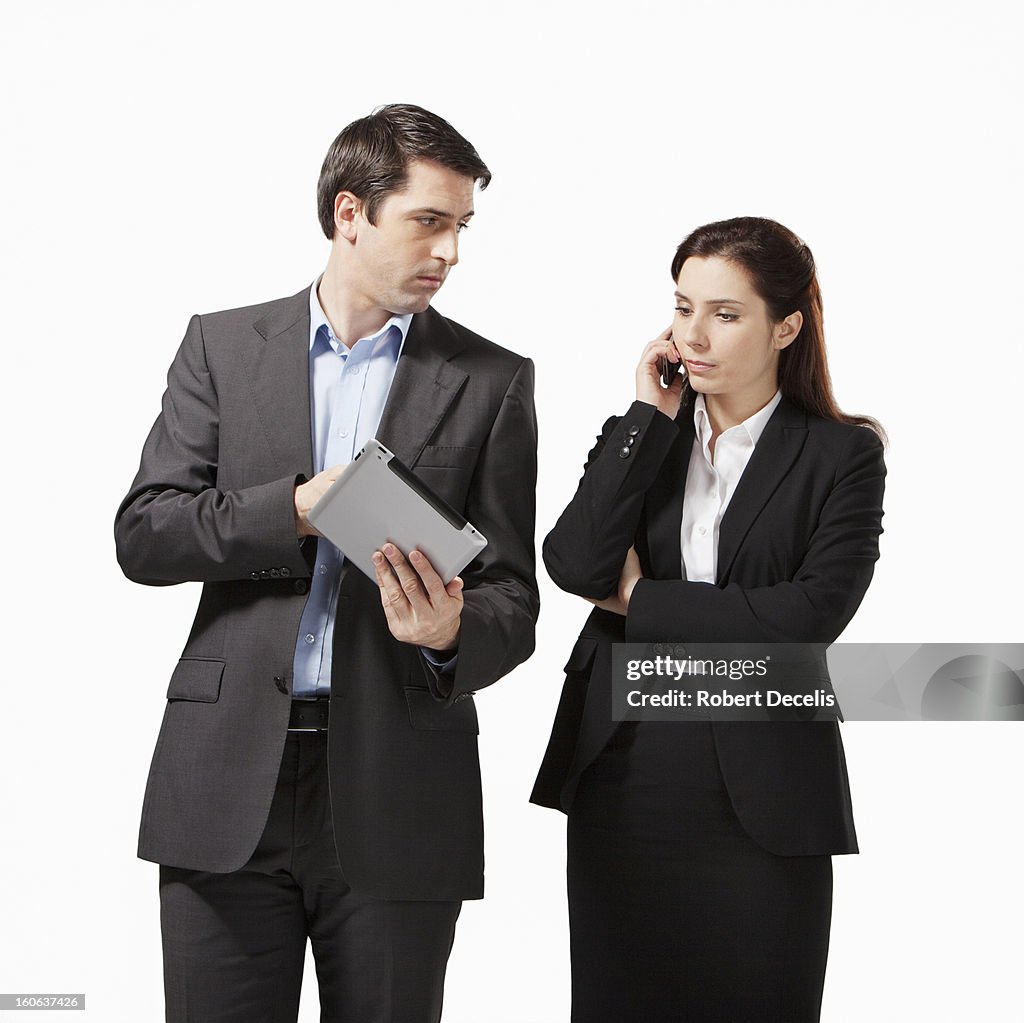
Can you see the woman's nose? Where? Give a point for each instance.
(693, 336)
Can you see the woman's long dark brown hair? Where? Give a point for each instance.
(781, 269)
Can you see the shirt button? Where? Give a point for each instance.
(343, 433)
(310, 638)
(702, 530)
(356, 369)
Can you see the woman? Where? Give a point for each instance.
(737, 504)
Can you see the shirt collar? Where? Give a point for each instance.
(752, 427)
(318, 319)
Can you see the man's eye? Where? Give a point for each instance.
(427, 221)
(461, 227)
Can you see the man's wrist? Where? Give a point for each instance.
(448, 645)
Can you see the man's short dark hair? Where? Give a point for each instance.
(370, 158)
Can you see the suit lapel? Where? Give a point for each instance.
(665, 502)
(776, 451)
(279, 374)
(424, 387)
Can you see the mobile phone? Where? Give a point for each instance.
(669, 370)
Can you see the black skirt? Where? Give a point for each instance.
(675, 913)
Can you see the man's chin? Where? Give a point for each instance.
(413, 304)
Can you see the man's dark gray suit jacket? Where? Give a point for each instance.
(213, 502)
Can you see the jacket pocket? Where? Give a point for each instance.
(447, 456)
(428, 714)
(196, 679)
(582, 655)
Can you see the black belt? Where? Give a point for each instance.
(309, 715)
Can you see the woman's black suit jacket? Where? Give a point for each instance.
(797, 548)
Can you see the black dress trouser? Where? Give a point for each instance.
(234, 944)
(675, 913)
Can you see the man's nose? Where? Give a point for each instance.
(446, 248)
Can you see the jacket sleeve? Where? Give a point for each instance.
(585, 551)
(812, 607)
(175, 525)
(501, 597)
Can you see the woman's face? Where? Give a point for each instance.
(722, 330)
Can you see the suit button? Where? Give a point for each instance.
(275, 573)
(630, 441)
(634, 431)
(264, 574)
(285, 571)
(299, 586)
(254, 575)
(279, 682)
(623, 452)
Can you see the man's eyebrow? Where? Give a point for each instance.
(443, 214)
(713, 301)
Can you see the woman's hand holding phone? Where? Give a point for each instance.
(659, 363)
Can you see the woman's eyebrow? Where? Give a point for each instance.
(713, 301)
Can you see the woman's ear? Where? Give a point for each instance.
(786, 331)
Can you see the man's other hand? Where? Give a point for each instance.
(307, 494)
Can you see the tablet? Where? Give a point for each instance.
(377, 499)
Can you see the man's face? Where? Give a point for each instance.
(402, 260)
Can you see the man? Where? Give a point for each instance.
(271, 826)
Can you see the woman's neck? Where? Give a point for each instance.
(728, 410)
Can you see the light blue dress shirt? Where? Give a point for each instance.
(348, 388)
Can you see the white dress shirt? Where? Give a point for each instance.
(710, 484)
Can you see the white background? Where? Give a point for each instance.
(160, 162)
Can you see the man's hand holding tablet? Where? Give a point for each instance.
(397, 531)
(419, 607)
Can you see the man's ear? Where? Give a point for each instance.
(786, 331)
(347, 214)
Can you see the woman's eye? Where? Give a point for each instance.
(683, 310)
(728, 317)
